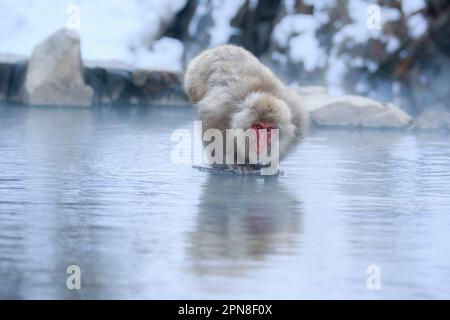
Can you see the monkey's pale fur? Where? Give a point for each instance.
(232, 89)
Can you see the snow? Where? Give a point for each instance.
(109, 29)
(222, 14)
(289, 6)
(417, 25)
(390, 14)
(411, 6)
(321, 9)
(166, 54)
(335, 74)
(201, 10)
(352, 34)
(416, 22)
(305, 48)
(392, 44)
(359, 33)
(298, 33)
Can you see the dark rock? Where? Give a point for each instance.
(158, 87)
(111, 82)
(118, 85)
(12, 74)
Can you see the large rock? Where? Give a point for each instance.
(352, 111)
(55, 73)
(432, 120)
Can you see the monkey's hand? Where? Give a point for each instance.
(245, 169)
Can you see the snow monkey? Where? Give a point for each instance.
(231, 89)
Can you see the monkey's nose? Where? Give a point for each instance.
(258, 125)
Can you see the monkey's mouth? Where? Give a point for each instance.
(263, 132)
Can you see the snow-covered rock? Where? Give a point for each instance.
(354, 111)
(432, 120)
(55, 73)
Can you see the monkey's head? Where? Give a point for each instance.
(262, 113)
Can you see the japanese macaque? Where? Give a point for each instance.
(233, 90)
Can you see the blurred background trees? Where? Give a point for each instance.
(389, 50)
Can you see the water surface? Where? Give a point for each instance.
(96, 188)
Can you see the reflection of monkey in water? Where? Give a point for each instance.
(233, 90)
(255, 218)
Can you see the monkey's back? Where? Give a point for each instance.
(229, 67)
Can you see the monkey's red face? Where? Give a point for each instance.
(263, 145)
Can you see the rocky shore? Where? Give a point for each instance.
(56, 75)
